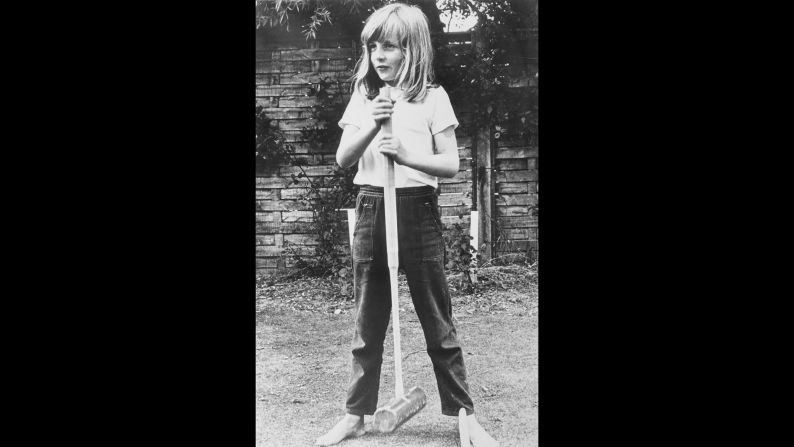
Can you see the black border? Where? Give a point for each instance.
(164, 229)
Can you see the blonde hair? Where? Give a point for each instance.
(408, 24)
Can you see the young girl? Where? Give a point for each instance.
(398, 52)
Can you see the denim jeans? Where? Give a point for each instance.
(421, 255)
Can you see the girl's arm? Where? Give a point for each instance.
(445, 162)
(353, 143)
(355, 140)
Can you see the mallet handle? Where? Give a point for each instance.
(392, 252)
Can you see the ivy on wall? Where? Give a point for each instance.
(272, 148)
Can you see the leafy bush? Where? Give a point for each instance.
(460, 252)
(271, 146)
(326, 195)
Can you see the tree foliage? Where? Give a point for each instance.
(499, 57)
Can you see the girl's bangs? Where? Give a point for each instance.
(389, 28)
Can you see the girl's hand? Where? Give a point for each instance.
(391, 147)
(381, 109)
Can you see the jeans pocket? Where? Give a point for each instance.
(363, 232)
(433, 216)
(432, 234)
(360, 203)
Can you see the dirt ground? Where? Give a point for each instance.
(303, 364)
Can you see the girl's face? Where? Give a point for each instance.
(386, 58)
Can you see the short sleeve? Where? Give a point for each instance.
(443, 115)
(355, 111)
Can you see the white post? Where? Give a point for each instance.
(351, 226)
(465, 440)
(474, 231)
(474, 228)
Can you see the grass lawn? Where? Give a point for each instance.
(304, 331)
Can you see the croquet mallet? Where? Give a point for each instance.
(404, 405)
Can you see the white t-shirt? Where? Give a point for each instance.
(414, 123)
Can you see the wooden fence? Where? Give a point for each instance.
(498, 175)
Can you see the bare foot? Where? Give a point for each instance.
(349, 427)
(479, 437)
